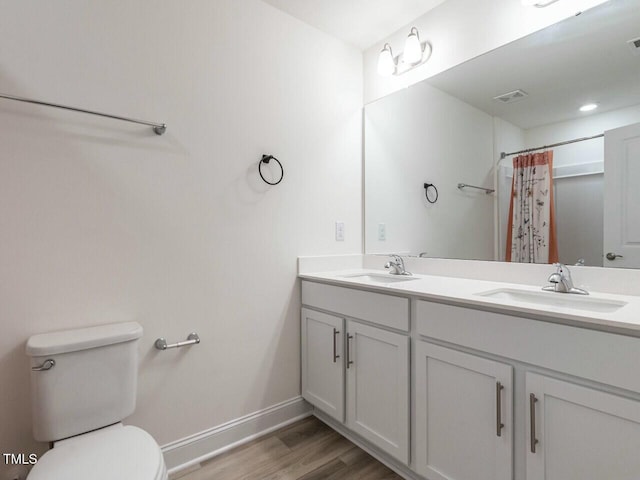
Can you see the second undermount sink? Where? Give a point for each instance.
(553, 299)
(380, 277)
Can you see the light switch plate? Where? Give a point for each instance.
(382, 232)
(339, 231)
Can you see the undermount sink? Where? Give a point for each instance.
(380, 277)
(553, 299)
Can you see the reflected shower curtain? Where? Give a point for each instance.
(531, 234)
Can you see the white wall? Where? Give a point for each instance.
(103, 221)
(579, 218)
(460, 30)
(423, 135)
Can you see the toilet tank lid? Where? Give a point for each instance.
(82, 338)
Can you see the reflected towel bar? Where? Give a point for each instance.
(486, 190)
(192, 339)
(158, 128)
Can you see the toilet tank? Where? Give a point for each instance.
(92, 384)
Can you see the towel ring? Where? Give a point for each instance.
(433, 188)
(266, 159)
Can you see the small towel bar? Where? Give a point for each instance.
(486, 190)
(192, 339)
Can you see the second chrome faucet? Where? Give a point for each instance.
(562, 282)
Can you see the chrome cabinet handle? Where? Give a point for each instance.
(349, 361)
(47, 365)
(335, 346)
(499, 424)
(612, 256)
(532, 417)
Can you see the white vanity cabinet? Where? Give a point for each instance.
(579, 433)
(464, 417)
(361, 364)
(492, 396)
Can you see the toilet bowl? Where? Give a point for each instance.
(116, 452)
(83, 383)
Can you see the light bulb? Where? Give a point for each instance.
(412, 48)
(386, 63)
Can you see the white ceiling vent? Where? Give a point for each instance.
(511, 96)
(634, 45)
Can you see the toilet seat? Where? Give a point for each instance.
(116, 452)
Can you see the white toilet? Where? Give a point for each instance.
(83, 383)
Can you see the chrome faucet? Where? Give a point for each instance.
(562, 281)
(396, 265)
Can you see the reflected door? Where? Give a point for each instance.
(622, 197)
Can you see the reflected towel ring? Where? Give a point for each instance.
(430, 199)
(266, 159)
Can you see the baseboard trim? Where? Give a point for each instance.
(202, 446)
(403, 470)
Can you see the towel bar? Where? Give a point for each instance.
(158, 128)
(486, 190)
(192, 339)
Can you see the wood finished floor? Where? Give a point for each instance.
(305, 450)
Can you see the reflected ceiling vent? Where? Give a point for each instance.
(634, 45)
(511, 96)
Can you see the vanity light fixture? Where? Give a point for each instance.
(415, 53)
(588, 107)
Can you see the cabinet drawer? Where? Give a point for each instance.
(386, 310)
(599, 356)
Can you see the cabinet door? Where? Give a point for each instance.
(578, 433)
(322, 362)
(378, 387)
(464, 416)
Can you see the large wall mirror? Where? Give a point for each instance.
(452, 128)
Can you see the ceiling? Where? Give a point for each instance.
(584, 59)
(358, 22)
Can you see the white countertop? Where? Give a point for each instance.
(464, 292)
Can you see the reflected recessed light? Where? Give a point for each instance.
(589, 107)
(538, 3)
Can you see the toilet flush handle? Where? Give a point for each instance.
(47, 365)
